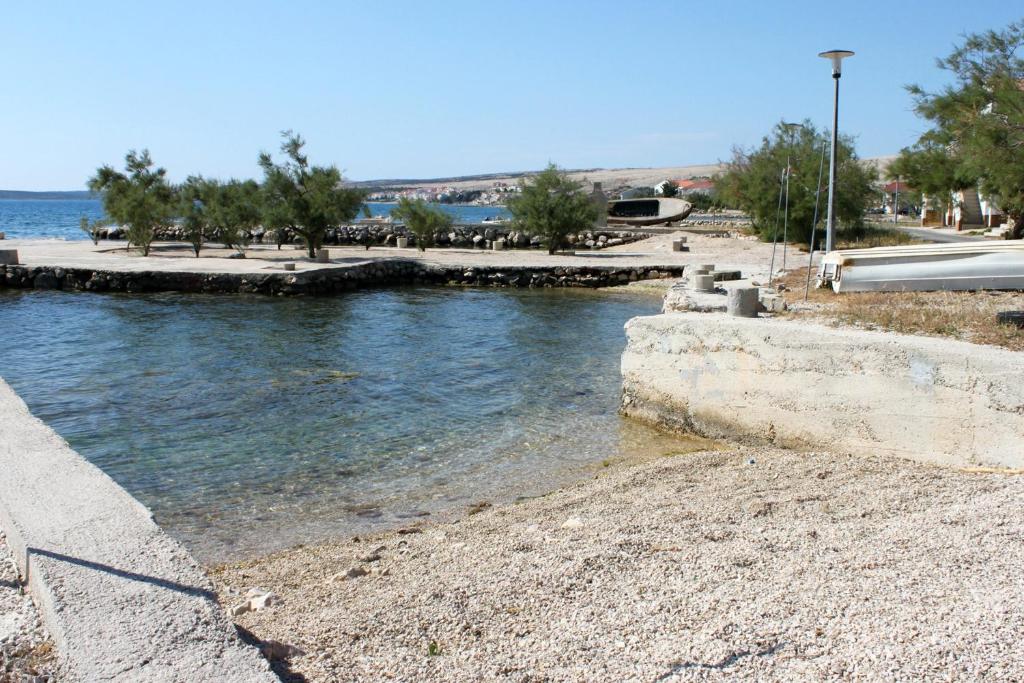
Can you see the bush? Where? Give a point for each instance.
(422, 220)
(553, 206)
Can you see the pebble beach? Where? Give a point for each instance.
(739, 564)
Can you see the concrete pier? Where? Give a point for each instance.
(121, 599)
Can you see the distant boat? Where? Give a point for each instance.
(494, 220)
(647, 211)
(926, 267)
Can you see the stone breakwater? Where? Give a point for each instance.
(480, 236)
(326, 281)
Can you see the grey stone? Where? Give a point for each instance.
(704, 283)
(743, 302)
(8, 257)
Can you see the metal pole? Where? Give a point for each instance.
(896, 205)
(814, 223)
(775, 233)
(785, 221)
(830, 225)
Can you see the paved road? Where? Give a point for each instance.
(936, 236)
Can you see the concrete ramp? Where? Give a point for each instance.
(121, 599)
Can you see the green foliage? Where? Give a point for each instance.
(234, 210)
(366, 211)
(977, 132)
(422, 220)
(704, 201)
(669, 189)
(195, 222)
(91, 229)
(140, 199)
(305, 199)
(753, 179)
(552, 205)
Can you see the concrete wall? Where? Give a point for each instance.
(122, 600)
(797, 384)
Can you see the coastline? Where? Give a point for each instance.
(754, 562)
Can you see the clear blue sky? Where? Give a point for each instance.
(418, 89)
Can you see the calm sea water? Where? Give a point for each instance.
(59, 218)
(248, 424)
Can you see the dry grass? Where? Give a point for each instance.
(967, 316)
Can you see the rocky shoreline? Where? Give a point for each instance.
(326, 281)
(385, 235)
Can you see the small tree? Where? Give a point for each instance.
(92, 229)
(234, 210)
(753, 178)
(978, 123)
(669, 189)
(195, 222)
(140, 199)
(423, 220)
(553, 206)
(931, 168)
(305, 199)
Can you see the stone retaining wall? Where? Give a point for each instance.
(802, 384)
(324, 281)
(480, 236)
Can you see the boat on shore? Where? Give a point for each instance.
(647, 211)
(926, 268)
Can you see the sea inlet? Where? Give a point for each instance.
(248, 424)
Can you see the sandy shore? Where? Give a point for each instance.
(751, 564)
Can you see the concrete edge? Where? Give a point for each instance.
(120, 598)
(805, 385)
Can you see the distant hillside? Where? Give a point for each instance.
(71, 194)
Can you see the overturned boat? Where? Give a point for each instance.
(647, 211)
(926, 268)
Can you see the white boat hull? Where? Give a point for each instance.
(952, 267)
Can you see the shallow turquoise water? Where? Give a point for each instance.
(251, 423)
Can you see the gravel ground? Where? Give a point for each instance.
(748, 564)
(26, 653)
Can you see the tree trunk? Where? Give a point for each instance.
(1018, 226)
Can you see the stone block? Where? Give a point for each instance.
(323, 256)
(743, 302)
(704, 283)
(8, 257)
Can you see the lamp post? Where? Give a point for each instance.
(837, 57)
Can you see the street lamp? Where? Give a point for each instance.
(837, 57)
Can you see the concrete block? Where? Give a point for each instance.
(742, 302)
(402, 242)
(801, 384)
(323, 256)
(498, 245)
(706, 266)
(8, 257)
(3, 235)
(289, 266)
(677, 244)
(704, 283)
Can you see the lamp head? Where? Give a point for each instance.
(837, 57)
